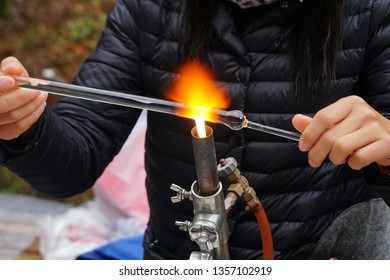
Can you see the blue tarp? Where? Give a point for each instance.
(124, 249)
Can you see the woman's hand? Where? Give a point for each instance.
(19, 108)
(348, 131)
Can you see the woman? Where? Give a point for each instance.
(282, 62)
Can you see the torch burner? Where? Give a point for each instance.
(209, 228)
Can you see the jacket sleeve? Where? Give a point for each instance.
(77, 139)
(374, 83)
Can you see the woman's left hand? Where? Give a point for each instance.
(348, 131)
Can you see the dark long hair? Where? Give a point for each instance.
(196, 31)
(315, 41)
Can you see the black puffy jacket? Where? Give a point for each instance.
(137, 53)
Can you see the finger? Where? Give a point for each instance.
(384, 162)
(322, 121)
(334, 136)
(12, 66)
(349, 144)
(300, 122)
(12, 100)
(23, 111)
(6, 84)
(368, 154)
(13, 130)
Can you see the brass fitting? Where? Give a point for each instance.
(240, 185)
(252, 201)
(228, 168)
(232, 177)
(238, 189)
(249, 194)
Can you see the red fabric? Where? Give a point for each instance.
(123, 182)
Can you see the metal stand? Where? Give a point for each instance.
(209, 227)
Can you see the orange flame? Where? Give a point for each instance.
(200, 128)
(195, 87)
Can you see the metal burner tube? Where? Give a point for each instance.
(207, 192)
(205, 162)
(214, 204)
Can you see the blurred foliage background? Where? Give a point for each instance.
(54, 35)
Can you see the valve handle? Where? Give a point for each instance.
(226, 166)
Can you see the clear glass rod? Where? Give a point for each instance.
(233, 119)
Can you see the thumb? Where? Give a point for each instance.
(300, 122)
(12, 66)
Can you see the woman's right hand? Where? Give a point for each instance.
(19, 108)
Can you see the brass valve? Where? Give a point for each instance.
(228, 168)
(240, 185)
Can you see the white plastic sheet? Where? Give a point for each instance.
(119, 209)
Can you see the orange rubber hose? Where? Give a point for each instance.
(265, 231)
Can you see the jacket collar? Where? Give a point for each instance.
(225, 30)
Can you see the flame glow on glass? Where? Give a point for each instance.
(195, 87)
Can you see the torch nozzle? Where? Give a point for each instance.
(234, 119)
